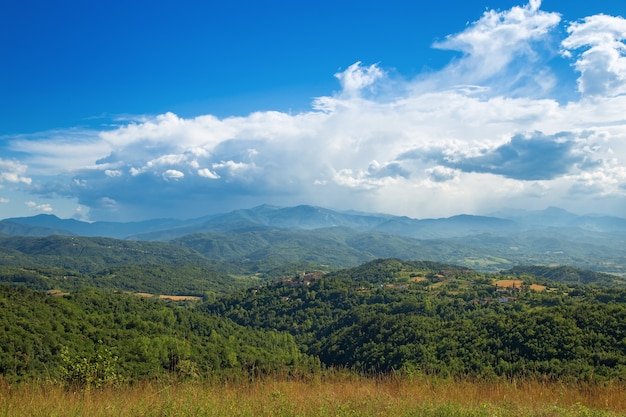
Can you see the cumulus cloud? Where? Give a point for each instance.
(483, 131)
(531, 156)
(13, 172)
(441, 174)
(602, 65)
(43, 208)
(376, 175)
(207, 173)
(500, 47)
(112, 172)
(173, 174)
(357, 77)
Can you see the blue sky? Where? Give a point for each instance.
(134, 110)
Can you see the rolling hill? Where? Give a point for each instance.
(263, 238)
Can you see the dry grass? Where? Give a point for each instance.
(170, 297)
(337, 395)
(180, 297)
(509, 283)
(516, 283)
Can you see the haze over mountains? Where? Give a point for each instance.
(266, 236)
(309, 217)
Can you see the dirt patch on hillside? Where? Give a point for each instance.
(171, 297)
(509, 283)
(518, 283)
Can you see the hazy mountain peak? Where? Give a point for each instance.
(307, 217)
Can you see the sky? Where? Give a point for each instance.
(126, 111)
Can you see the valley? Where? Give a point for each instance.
(281, 300)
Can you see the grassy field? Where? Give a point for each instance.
(337, 395)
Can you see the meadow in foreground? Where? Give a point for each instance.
(336, 395)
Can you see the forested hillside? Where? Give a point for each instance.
(71, 307)
(265, 238)
(190, 280)
(340, 247)
(568, 274)
(68, 263)
(92, 336)
(434, 318)
(92, 254)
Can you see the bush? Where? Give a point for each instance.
(84, 372)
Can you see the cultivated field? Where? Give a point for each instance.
(509, 283)
(334, 395)
(170, 297)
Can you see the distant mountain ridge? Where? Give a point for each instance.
(557, 217)
(306, 217)
(48, 224)
(265, 237)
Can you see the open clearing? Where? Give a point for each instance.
(171, 297)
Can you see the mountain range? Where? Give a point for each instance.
(267, 236)
(309, 217)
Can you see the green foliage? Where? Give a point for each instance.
(39, 278)
(99, 369)
(373, 318)
(383, 316)
(92, 254)
(567, 274)
(263, 249)
(154, 279)
(168, 279)
(90, 337)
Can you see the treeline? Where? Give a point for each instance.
(92, 254)
(154, 279)
(387, 315)
(129, 337)
(424, 317)
(568, 274)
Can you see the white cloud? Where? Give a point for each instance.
(500, 45)
(166, 160)
(13, 172)
(172, 174)
(236, 171)
(440, 174)
(207, 173)
(55, 152)
(167, 132)
(44, 208)
(107, 203)
(482, 132)
(602, 65)
(4, 200)
(357, 77)
(112, 172)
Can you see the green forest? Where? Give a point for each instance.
(112, 337)
(425, 317)
(87, 311)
